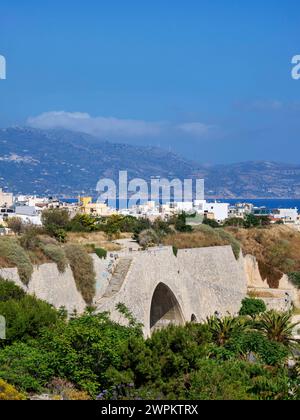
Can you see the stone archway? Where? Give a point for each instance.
(165, 308)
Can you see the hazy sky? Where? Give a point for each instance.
(210, 79)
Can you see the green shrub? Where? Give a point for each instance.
(56, 254)
(83, 270)
(26, 317)
(102, 253)
(15, 255)
(181, 225)
(27, 367)
(252, 307)
(175, 251)
(295, 279)
(8, 290)
(211, 222)
(265, 351)
(82, 223)
(231, 380)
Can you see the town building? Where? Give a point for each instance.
(6, 199)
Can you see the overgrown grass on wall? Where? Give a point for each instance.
(83, 270)
(203, 236)
(16, 256)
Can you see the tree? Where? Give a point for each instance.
(16, 225)
(251, 221)
(181, 225)
(82, 223)
(55, 218)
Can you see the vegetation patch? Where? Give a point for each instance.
(203, 236)
(15, 256)
(252, 307)
(101, 253)
(56, 254)
(83, 270)
(9, 393)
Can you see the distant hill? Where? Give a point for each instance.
(59, 162)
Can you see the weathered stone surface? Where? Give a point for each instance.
(197, 283)
(47, 283)
(259, 285)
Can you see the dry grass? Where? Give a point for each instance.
(83, 271)
(99, 239)
(277, 250)
(192, 240)
(204, 236)
(262, 294)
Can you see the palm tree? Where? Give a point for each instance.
(278, 326)
(223, 329)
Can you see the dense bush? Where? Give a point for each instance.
(211, 222)
(83, 270)
(252, 307)
(82, 223)
(26, 366)
(101, 253)
(26, 317)
(8, 291)
(55, 222)
(15, 224)
(15, 255)
(58, 218)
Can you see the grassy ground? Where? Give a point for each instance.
(99, 239)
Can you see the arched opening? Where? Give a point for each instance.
(165, 308)
(193, 319)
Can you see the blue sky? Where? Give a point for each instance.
(208, 79)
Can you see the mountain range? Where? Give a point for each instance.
(65, 163)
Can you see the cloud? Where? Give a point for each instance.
(116, 128)
(98, 126)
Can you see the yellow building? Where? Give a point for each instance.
(94, 209)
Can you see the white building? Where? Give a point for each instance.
(29, 214)
(287, 215)
(220, 210)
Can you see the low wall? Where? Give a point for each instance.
(59, 289)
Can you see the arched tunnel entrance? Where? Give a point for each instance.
(165, 308)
